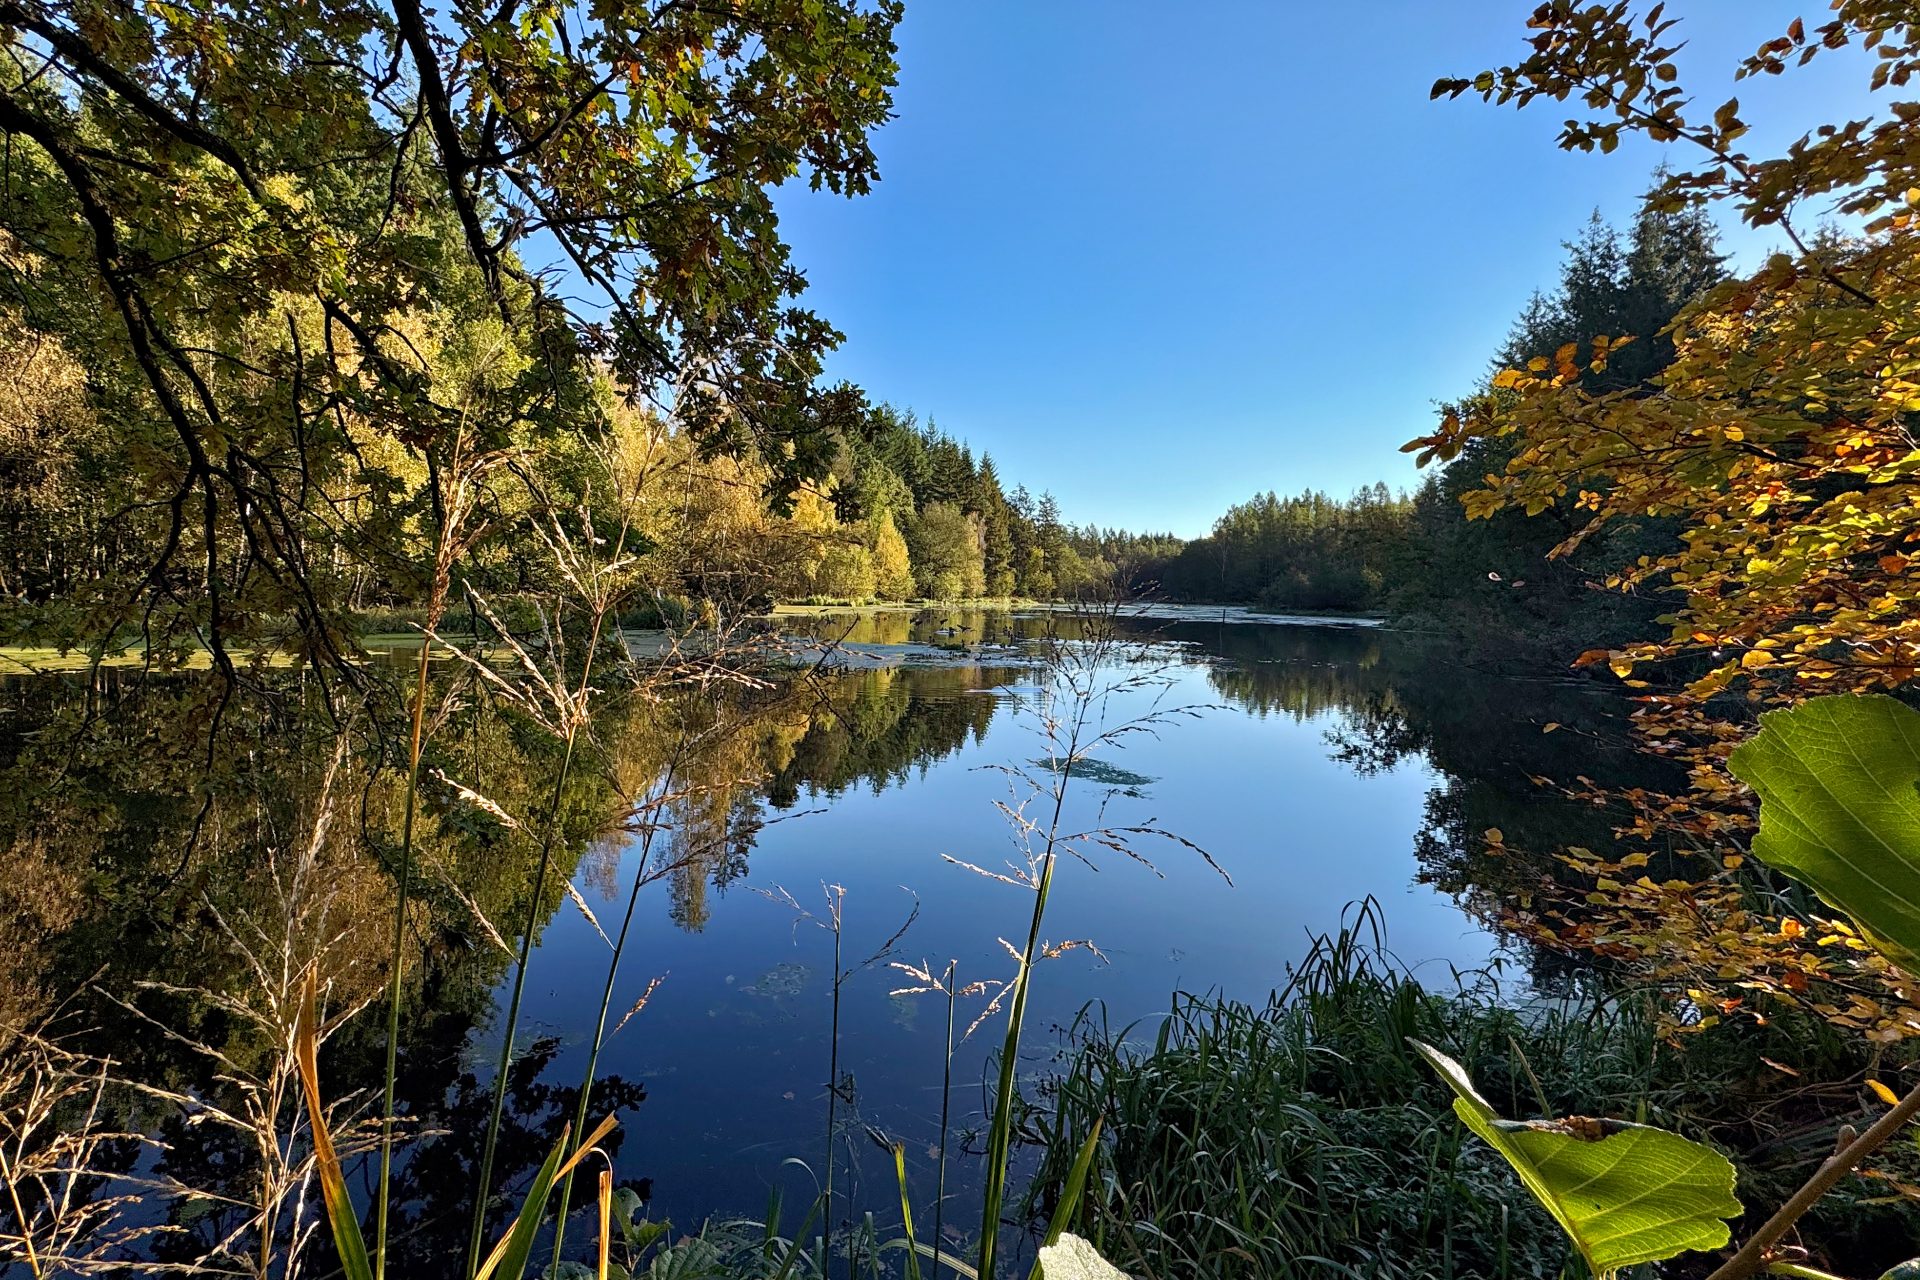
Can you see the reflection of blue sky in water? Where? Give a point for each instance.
(733, 1046)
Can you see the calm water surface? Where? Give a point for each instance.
(1317, 763)
(1301, 769)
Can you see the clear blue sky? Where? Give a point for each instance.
(1157, 258)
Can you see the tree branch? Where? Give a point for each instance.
(1752, 1256)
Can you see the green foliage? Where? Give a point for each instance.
(996, 532)
(920, 478)
(1484, 578)
(1625, 1193)
(846, 573)
(1307, 552)
(1837, 779)
(1074, 1187)
(1839, 786)
(290, 271)
(1132, 562)
(946, 554)
(1284, 1139)
(508, 1261)
(892, 564)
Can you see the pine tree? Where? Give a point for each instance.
(1460, 572)
(996, 530)
(1063, 569)
(1026, 551)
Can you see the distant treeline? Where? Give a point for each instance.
(1310, 551)
(963, 535)
(891, 510)
(1420, 557)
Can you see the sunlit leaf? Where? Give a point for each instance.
(1623, 1193)
(1839, 786)
(333, 1186)
(694, 1259)
(509, 1257)
(1075, 1186)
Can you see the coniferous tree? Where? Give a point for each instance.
(1029, 563)
(1063, 566)
(996, 532)
(1492, 578)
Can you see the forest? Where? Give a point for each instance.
(510, 766)
(1420, 557)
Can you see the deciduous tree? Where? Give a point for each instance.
(1779, 442)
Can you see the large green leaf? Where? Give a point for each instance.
(1624, 1193)
(1840, 812)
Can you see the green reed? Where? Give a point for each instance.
(455, 503)
(1084, 679)
(397, 965)
(640, 877)
(1299, 1138)
(1000, 1131)
(573, 721)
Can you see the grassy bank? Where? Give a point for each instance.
(1305, 1137)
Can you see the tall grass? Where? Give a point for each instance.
(1084, 683)
(839, 1088)
(572, 718)
(1303, 1138)
(454, 500)
(650, 827)
(1298, 1137)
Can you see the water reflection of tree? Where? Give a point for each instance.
(123, 845)
(877, 728)
(1397, 699)
(820, 735)
(134, 867)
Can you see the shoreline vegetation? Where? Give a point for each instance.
(1304, 1135)
(391, 631)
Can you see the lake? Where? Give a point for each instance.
(1305, 765)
